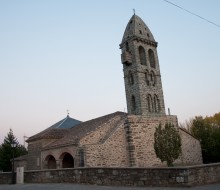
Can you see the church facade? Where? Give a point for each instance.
(117, 139)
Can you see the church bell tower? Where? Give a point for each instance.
(142, 77)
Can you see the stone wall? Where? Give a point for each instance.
(34, 154)
(106, 146)
(164, 177)
(130, 144)
(140, 136)
(191, 149)
(110, 153)
(5, 177)
(204, 174)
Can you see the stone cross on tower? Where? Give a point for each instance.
(142, 77)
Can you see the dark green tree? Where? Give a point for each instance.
(207, 131)
(167, 143)
(6, 151)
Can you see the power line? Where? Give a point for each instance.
(192, 13)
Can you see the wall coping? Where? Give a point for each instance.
(130, 168)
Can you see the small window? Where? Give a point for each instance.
(140, 31)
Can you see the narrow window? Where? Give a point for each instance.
(130, 78)
(126, 46)
(38, 161)
(151, 58)
(156, 104)
(133, 104)
(149, 103)
(147, 78)
(153, 78)
(142, 55)
(81, 158)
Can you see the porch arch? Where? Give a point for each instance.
(50, 162)
(67, 160)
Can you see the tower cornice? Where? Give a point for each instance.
(139, 39)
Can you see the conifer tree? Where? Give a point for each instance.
(167, 143)
(6, 151)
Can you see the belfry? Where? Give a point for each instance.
(142, 77)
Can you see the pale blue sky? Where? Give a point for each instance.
(59, 55)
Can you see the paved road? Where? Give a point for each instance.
(94, 187)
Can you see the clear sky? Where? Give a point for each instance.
(57, 55)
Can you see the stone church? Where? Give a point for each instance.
(117, 139)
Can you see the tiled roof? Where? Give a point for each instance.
(82, 129)
(56, 131)
(66, 123)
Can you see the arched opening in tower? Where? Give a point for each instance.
(151, 58)
(142, 55)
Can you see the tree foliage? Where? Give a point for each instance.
(6, 151)
(207, 131)
(167, 143)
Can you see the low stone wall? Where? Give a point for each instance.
(173, 177)
(204, 174)
(5, 178)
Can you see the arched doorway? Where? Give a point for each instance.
(67, 161)
(51, 162)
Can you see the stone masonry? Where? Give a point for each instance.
(141, 177)
(142, 77)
